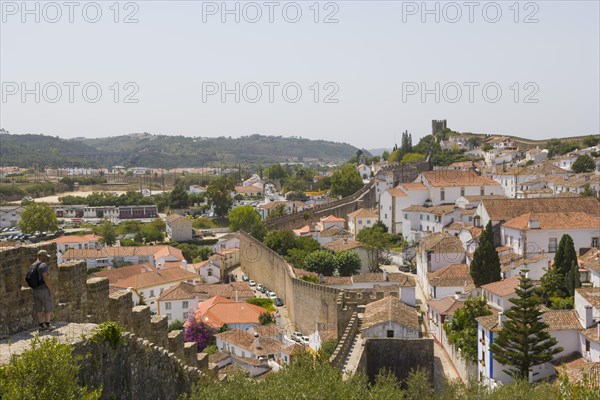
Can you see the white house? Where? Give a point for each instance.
(178, 228)
(436, 251)
(587, 306)
(449, 280)
(66, 242)
(590, 261)
(10, 216)
(563, 325)
(536, 155)
(418, 221)
(513, 178)
(209, 271)
(390, 318)
(364, 171)
(177, 302)
(197, 189)
(499, 293)
(330, 221)
(445, 185)
(361, 218)
(393, 201)
(227, 241)
(532, 233)
(441, 310)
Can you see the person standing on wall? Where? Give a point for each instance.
(39, 280)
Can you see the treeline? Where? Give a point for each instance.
(100, 199)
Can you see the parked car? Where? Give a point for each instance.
(260, 288)
(278, 302)
(272, 295)
(296, 336)
(304, 340)
(251, 283)
(245, 278)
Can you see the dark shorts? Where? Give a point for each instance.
(42, 302)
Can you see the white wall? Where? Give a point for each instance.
(539, 239)
(177, 310)
(380, 331)
(408, 295)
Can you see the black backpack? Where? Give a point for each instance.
(33, 277)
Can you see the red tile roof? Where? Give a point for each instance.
(447, 178)
(219, 311)
(555, 220)
(76, 239)
(451, 275)
(390, 308)
(503, 288)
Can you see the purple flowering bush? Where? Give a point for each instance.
(198, 332)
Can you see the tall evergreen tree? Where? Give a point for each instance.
(572, 280)
(485, 267)
(524, 341)
(565, 255)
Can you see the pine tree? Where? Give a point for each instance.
(565, 255)
(524, 341)
(485, 267)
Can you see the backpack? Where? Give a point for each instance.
(33, 277)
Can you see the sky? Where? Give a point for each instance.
(360, 72)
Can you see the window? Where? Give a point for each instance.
(151, 293)
(390, 333)
(427, 217)
(596, 242)
(405, 216)
(587, 345)
(167, 305)
(185, 304)
(421, 217)
(482, 191)
(385, 216)
(552, 245)
(360, 221)
(442, 195)
(462, 191)
(243, 353)
(209, 273)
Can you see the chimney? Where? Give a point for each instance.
(587, 317)
(500, 319)
(256, 341)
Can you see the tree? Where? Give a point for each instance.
(38, 217)
(572, 280)
(107, 233)
(552, 286)
(280, 241)
(48, 370)
(473, 142)
(198, 332)
(247, 219)
(321, 262)
(589, 191)
(179, 196)
(302, 247)
(277, 211)
(346, 181)
(265, 318)
(218, 194)
(412, 157)
(348, 263)
(524, 341)
(376, 241)
(584, 163)
(462, 329)
(485, 266)
(565, 255)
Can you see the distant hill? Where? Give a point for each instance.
(379, 152)
(161, 151)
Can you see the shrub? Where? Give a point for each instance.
(198, 332)
(47, 371)
(267, 304)
(266, 318)
(110, 332)
(176, 325)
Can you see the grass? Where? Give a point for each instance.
(267, 304)
(210, 223)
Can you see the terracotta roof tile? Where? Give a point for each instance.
(76, 239)
(554, 220)
(396, 192)
(114, 275)
(592, 333)
(390, 308)
(562, 320)
(435, 210)
(403, 280)
(363, 213)
(332, 218)
(505, 209)
(591, 260)
(591, 295)
(342, 245)
(155, 278)
(245, 340)
(442, 243)
(448, 178)
(219, 311)
(181, 291)
(451, 275)
(446, 305)
(503, 288)
(414, 186)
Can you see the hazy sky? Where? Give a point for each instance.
(376, 60)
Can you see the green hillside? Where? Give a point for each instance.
(160, 151)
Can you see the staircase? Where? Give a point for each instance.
(355, 351)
